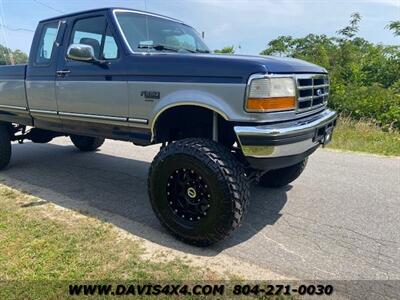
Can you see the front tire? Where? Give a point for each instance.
(282, 177)
(198, 190)
(5, 146)
(86, 143)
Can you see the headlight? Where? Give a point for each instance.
(271, 94)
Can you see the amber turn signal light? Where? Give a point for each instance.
(271, 104)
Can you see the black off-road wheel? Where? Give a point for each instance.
(198, 190)
(282, 177)
(5, 146)
(86, 143)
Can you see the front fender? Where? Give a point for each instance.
(191, 97)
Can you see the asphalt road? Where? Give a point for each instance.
(340, 220)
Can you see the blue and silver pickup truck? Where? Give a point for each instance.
(223, 121)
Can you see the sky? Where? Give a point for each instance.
(250, 24)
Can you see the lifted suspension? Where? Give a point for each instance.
(20, 133)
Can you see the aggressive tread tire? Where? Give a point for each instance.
(5, 146)
(86, 143)
(282, 177)
(227, 181)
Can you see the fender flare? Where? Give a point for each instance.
(181, 98)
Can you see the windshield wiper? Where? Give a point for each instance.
(158, 47)
(203, 51)
(161, 47)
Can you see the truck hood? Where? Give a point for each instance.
(274, 64)
(198, 67)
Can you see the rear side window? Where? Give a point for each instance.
(95, 32)
(46, 43)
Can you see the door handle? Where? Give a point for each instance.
(63, 72)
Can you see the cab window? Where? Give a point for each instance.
(110, 50)
(96, 33)
(46, 43)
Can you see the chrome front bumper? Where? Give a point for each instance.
(286, 139)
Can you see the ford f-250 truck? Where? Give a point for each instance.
(223, 121)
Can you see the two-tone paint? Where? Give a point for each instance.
(109, 100)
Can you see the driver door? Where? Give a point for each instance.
(93, 97)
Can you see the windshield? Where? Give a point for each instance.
(147, 33)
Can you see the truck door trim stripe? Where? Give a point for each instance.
(79, 115)
(137, 120)
(100, 117)
(40, 111)
(13, 107)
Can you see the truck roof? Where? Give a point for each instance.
(110, 9)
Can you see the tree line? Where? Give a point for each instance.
(365, 77)
(9, 57)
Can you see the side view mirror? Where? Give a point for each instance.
(81, 52)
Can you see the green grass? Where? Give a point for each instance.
(41, 244)
(365, 136)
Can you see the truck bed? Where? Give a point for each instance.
(13, 102)
(13, 72)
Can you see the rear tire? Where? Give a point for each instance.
(5, 146)
(41, 136)
(198, 190)
(86, 143)
(282, 177)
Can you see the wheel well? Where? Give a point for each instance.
(191, 121)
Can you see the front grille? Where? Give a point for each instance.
(312, 91)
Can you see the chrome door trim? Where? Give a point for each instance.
(138, 120)
(41, 111)
(89, 116)
(13, 107)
